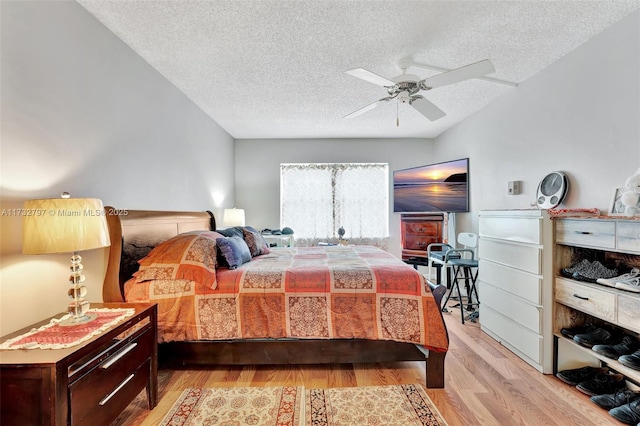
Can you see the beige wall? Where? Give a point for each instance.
(82, 113)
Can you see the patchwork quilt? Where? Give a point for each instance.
(328, 292)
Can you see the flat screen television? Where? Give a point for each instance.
(440, 187)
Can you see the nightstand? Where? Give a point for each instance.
(89, 383)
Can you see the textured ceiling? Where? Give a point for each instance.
(276, 69)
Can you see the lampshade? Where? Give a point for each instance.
(63, 225)
(233, 217)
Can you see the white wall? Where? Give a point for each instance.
(580, 115)
(258, 170)
(82, 113)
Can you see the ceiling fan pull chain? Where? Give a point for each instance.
(397, 114)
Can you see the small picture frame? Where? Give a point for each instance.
(616, 208)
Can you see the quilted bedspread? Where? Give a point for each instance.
(305, 293)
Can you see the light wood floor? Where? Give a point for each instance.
(485, 384)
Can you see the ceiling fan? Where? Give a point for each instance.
(405, 88)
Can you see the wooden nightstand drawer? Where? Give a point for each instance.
(117, 351)
(98, 408)
(100, 381)
(590, 300)
(586, 233)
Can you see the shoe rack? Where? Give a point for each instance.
(615, 243)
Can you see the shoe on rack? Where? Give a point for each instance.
(631, 284)
(578, 375)
(600, 336)
(628, 345)
(611, 282)
(594, 271)
(570, 332)
(584, 264)
(627, 413)
(631, 360)
(613, 400)
(602, 383)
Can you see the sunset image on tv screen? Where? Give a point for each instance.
(439, 187)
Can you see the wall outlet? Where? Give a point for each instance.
(515, 187)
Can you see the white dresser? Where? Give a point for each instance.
(516, 282)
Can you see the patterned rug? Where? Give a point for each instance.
(401, 405)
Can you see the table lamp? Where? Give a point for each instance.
(233, 217)
(66, 225)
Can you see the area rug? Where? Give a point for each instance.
(401, 405)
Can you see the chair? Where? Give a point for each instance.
(436, 253)
(463, 264)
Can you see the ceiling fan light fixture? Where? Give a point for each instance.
(405, 87)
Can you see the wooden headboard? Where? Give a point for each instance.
(134, 233)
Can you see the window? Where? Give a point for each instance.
(317, 199)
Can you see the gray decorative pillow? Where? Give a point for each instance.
(233, 251)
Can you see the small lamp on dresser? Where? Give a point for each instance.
(66, 225)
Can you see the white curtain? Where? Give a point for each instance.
(317, 199)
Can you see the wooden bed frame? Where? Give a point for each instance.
(135, 232)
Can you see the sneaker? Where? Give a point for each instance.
(628, 413)
(568, 272)
(600, 336)
(581, 329)
(631, 284)
(631, 361)
(577, 375)
(602, 383)
(611, 282)
(628, 345)
(621, 397)
(594, 271)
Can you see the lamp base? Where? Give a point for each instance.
(78, 320)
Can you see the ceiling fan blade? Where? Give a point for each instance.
(367, 107)
(371, 77)
(426, 108)
(467, 72)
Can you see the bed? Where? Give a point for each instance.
(302, 305)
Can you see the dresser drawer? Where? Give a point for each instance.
(97, 383)
(586, 233)
(628, 311)
(512, 334)
(522, 284)
(525, 230)
(512, 307)
(416, 242)
(519, 256)
(422, 228)
(99, 408)
(628, 236)
(587, 299)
